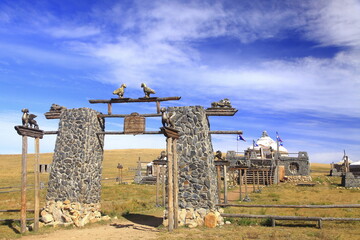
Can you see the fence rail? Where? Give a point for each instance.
(290, 206)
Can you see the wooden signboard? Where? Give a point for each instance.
(134, 124)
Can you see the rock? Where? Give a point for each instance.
(228, 222)
(210, 220)
(85, 220)
(47, 218)
(105, 218)
(57, 214)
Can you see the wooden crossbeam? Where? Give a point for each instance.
(160, 132)
(130, 100)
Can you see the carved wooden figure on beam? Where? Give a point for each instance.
(167, 118)
(120, 91)
(218, 155)
(223, 103)
(28, 119)
(147, 90)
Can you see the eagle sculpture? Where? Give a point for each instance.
(147, 90)
(120, 91)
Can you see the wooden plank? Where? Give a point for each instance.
(37, 186)
(30, 132)
(226, 132)
(16, 210)
(221, 111)
(123, 133)
(132, 100)
(23, 184)
(290, 206)
(176, 184)
(170, 185)
(303, 218)
(125, 115)
(50, 132)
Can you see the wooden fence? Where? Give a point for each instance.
(273, 218)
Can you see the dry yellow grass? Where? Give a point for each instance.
(121, 199)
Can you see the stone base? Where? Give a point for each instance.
(193, 218)
(351, 180)
(296, 179)
(71, 213)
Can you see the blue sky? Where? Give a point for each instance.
(287, 66)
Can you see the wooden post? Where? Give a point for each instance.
(157, 185)
(225, 184)
(253, 179)
(158, 107)
(267, 177)
(263, 178)
(163, 185)
(37, 186)
(109, 109)
(245, 177)
(218, 182)
(273, 222)
(319, 223)
(176, 184)
(240, 183)
(258, 179)
(170, 185)
(23, 184)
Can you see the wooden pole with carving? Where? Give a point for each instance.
(23, 184)
(37, 186)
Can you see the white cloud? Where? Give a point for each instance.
(335, 22)
(73, 31)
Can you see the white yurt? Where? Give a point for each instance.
(267, 146)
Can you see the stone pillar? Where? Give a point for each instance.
(197, 173)
(75, 178)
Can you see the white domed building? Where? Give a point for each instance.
(266, 147)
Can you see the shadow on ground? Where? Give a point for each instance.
(11, 224)
(146, 220)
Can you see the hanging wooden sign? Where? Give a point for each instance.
(134, 124)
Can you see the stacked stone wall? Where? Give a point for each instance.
(197, 174)
(77, 165)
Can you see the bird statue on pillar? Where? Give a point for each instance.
(147, 90)
(120, 91)
(28, 119)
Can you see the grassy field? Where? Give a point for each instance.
(120, 200)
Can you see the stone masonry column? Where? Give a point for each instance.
(74, 188)
(197, 173)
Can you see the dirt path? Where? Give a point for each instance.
(135, 227)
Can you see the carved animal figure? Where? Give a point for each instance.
(55, 108)
(167, 118)
(162, 156)
(28, 119)
(223, 103)
(218, 155)
(147, 90)
(120, 91)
